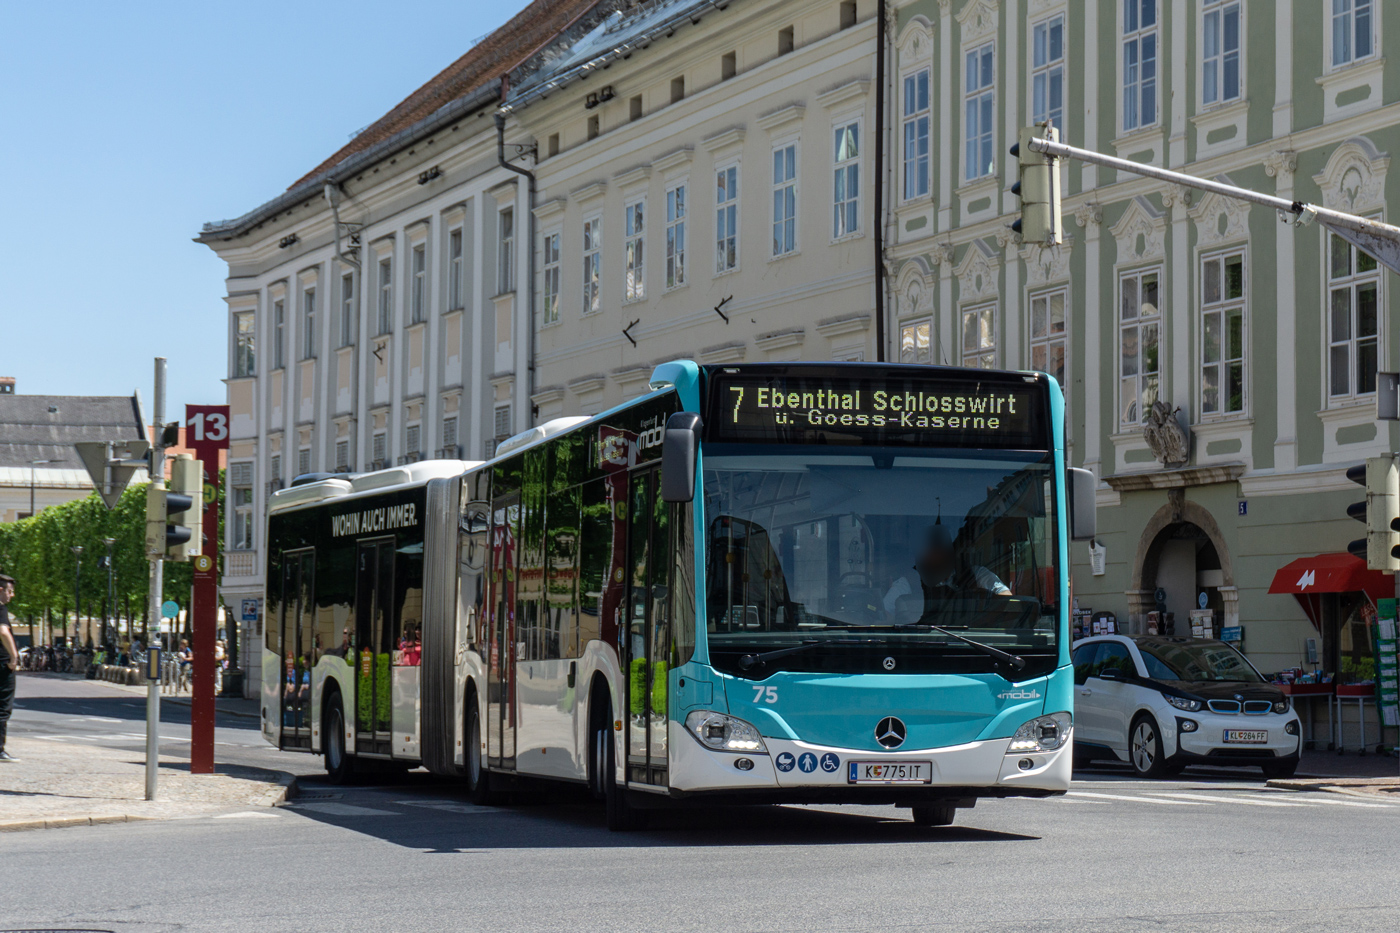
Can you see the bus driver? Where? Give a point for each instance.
(936, 574)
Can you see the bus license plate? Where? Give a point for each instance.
(1247, 736)
(890, 772)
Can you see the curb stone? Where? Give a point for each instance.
(1332, 787)
(14, 826)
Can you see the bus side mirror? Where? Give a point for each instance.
(1083, 509)
(679, 450)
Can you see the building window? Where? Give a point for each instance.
(592, 264)
(551, 278)
(675, 236)
(274, 467)
(240, 477)
(417, 306)
(846, 183)
(413, 441)
(916, 134)
(634, 227)
(379, 450)
(1048, 72)
(347, 309)
(245, 356)
(1139, 63)
(1139, 344)
(678, 89)
(386, 295)
(1352, 25)
(1222, 334)
(505, 273)
(728, 65)
(979, 339)
(279, 333)
(727, 219)
(502, 422)
(449, 435)
(785, 200)
(914, 346)
(1220, 52)
(1354, 321)
(455, 268)
(342, 456)
(308, 329)
(979, 105)
(1048, 334)
(303, 461)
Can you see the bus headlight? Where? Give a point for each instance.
(1042, 734)
(724, 733)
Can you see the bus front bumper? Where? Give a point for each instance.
(817, 773)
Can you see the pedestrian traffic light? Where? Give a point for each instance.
(173, 515)
(1038, 188)
(1380, 511)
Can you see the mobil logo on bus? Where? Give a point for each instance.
(619, 449)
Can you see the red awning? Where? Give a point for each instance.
(1309, 577)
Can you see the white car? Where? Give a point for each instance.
(1161, 703)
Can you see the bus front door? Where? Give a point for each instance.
(646, 634)
(500, 679)
(374, 632)
(298, 615)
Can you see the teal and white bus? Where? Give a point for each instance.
(767, 583)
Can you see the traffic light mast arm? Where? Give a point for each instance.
(1380, 240)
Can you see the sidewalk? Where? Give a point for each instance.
(60, 784)
(230, 706)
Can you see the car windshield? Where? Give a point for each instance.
(853, 558)
(1200, 661)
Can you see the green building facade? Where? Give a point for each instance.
(1259, 340)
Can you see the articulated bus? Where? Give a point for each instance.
(767, 583)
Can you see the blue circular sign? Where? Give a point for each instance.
(808, 762)
(170, 609)
(830, 762)
(785, 761)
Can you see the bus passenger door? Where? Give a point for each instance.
(374, 630)
(500, 679)
(297, 618)
(646, 629)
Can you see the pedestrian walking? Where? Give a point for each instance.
(9, 662)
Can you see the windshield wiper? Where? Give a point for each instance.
(749, 661)
(1015, 661)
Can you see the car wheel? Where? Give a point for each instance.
(1285, 768)
(340, 766)
(933, 816)
(1145, 748)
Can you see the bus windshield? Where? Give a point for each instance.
(855, 559)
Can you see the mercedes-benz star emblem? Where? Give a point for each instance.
(890, 732)
(889, 664)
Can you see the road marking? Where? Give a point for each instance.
(1218, 799)
(1341, 803)
(1174, 803)
(343, 809)
(246, 815)
(450, 806)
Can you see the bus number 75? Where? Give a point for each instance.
(765, 694)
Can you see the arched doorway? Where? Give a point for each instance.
(1182, 553)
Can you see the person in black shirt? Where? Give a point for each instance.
(9, 663)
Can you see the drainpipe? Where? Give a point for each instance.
(880, 184)
(332, 196)
(530, 247)
(331, 192)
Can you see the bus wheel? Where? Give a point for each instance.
(933, 816)
(622, 816)
(478, 779)
(340, 767)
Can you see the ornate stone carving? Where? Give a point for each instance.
(1177, 198)
(1045, 265)
(977, 273)
(1141, 232)
(978, 20)
(1282, 165)
(916, 43)
(1354, 178)
(1170, 443)
(1220, 219)
(1090, 212)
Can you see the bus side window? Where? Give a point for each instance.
(561, 587)
(595, 557)
(272, 609)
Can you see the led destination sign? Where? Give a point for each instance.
(899, 411)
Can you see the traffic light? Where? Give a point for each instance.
(173, 516)
(1380, 511)
(1038, 188)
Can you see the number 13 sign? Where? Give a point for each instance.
(206, 427)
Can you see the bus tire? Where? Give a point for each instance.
(478, 778)
(340, 765)
(933, 816)
(622, 816)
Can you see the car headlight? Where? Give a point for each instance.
(1186, 703)
(1042, 734)
(1281, 706)
(724, 733)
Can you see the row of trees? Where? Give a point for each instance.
(38, 553)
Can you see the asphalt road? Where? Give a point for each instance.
(1214, 853)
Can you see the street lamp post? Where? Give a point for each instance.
(32, 465)
(111, 600)
(77, 550)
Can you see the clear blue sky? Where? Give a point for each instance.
(126, 126)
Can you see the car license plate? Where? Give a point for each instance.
(890, 772)
(1246, 736)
